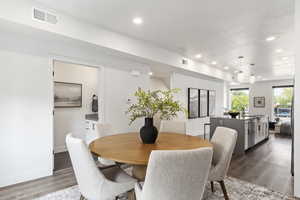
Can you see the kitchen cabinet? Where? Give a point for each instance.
(251, 130)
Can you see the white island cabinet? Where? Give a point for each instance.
(251, 130)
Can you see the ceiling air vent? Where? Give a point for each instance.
(44, 16)
(39, 15)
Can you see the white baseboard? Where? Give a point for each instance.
(60, 149)
(24, 176)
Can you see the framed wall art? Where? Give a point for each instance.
(203, 103)
(259, 102)
(193, 103)
(211, 103)
(67, 95)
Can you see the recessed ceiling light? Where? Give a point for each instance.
(279, 50)
(284, 58)
(198, 56)
(213, 62)
(226, 67)
(137, 20)
(271, 38)
(150, 73)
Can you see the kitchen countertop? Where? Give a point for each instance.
(249, 117)
(92, 117)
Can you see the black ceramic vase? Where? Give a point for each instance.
(148, 132)
(233, 114)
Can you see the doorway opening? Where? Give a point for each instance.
(76, 93)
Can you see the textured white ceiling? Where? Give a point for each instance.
(220, 30)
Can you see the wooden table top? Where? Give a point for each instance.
(127, 148)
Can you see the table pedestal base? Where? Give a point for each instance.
(139, 172)
(131, 195)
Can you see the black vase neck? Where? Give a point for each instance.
(148, 121)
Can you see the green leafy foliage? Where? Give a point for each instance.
(149, 103)
(285, 98)
(239, 101)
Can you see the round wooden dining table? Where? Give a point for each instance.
(128, 148)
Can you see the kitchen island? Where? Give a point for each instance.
(251, 130)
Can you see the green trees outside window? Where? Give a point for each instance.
(282, 100)
(240, 100)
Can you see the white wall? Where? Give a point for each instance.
(196, 126)
(26, 141)
(72, 120)
(297, 103)
(120, 86)
(26, 117)
(262, 89)
(157, 84)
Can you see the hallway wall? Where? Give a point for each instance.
(26, 117)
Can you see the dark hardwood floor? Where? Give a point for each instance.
(25, 191)
(62, 161)
(267, 165)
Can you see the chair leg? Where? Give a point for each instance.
(212, 186)
(224, 190)
(131, 195)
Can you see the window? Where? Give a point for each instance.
(282, 101)
(239, 99)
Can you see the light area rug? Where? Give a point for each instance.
(237, 190)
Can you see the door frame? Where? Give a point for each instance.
(101, 87)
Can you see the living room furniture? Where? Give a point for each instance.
(173, 126)
(176, 175)
(224, 141)
(94, 183)
(127, 148)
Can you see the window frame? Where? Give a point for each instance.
(239, 89)
(273, 97)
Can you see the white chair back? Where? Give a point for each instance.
(104, 129)
(224, 141)
(177, 175)
(173, 126)
(88, 176)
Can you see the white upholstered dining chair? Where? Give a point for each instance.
(173, 126)
(175, 175)
(102, 129)
(105, 129)
(224, 141)
(93, 183)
